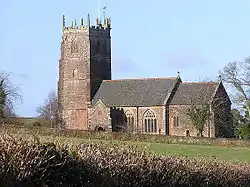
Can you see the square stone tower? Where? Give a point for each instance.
(85, 62)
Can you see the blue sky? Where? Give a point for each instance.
(149, 39)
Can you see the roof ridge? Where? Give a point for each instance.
(211, 82)
(156, 78)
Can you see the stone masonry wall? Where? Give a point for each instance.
(221, 107)
(74, 81)
(100, 117)
(85, 62)
(160, 116)
(139, 112)
(185, 123)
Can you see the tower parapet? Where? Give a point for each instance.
(99, 26)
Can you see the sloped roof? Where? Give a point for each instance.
(135, 92)
(195, 93)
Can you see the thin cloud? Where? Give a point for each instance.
(184, 59)
(124, 65)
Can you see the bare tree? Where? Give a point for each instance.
(237, 75)
(49, 110)
(10, 94)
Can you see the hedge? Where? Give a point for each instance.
(32, 163)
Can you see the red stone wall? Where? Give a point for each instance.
(100, 117)
(185, 123)
(85, 62)
(138, 113)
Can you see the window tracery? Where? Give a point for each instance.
(150, 122)
(130, 120)
(176, 121)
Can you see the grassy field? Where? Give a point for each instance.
(221, 153)
(202, 148)
(233, 154)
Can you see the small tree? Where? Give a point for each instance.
(241, 126)
(199, 116)
(243, 131)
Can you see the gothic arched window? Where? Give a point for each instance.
(130, 120)
(74, 47)
(176, 121)
(149, 121)
(74, 73)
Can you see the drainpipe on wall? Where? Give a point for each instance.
(137, 117)
(209, 122)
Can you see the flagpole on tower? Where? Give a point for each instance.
(104, 12)
(98, 11)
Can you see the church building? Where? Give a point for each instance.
(89, 99)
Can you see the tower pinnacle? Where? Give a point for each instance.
(63, 21)
(88, 20)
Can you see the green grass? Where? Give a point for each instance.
(222, 153)
(233, 154)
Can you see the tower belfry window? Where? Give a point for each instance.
(74, 47)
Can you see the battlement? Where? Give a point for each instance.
(99, 26)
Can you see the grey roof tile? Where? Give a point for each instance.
(135, 92)
(195, 93)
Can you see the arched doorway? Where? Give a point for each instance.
(187, 133)
(100, 129)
